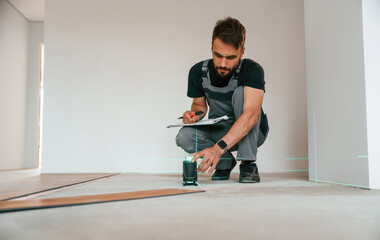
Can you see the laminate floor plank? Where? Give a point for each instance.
(19, 183)
(11, 206)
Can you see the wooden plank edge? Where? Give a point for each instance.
(7, 210)
(55, 188)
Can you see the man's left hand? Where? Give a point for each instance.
(211, 157)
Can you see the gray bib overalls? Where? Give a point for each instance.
(223, 101)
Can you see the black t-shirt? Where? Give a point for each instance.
(251, 75)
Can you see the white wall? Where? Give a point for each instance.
(13, 75)
(19, 88)
(36, 36)
(116, 75)
(336, 92)
(371, 38)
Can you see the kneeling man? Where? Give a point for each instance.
(232, 86)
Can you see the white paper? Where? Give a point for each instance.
(211, 121)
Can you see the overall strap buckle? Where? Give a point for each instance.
(205, 69)
(237, 71)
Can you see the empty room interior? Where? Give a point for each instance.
(92, 145)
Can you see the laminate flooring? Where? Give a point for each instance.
(20, 183)
(282, 206)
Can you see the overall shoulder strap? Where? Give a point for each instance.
(237, 71)
(205, 69)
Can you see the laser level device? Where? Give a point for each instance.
(190, 175)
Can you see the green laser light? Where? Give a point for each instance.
(190, 175)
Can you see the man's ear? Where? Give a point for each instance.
(242, 51)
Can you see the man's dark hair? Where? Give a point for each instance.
(230, 31)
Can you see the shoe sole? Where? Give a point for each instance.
(249, 181)
(220, 178)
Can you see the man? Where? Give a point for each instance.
(232, 86)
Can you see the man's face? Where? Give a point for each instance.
(226, 57)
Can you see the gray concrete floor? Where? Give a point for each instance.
(282, 206)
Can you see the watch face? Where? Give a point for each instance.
(222, 144)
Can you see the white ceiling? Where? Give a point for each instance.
(33, 10)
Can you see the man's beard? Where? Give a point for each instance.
(229, 74)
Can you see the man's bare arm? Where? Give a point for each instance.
(253, 99)
(199, 104)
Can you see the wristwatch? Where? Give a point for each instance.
(223, 145)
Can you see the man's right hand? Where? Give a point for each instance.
(188, 119)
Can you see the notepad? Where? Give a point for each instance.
(210, 121)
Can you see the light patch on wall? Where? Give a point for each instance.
(315, 147)
(41, 101)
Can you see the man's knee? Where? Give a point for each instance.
(184, 139)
